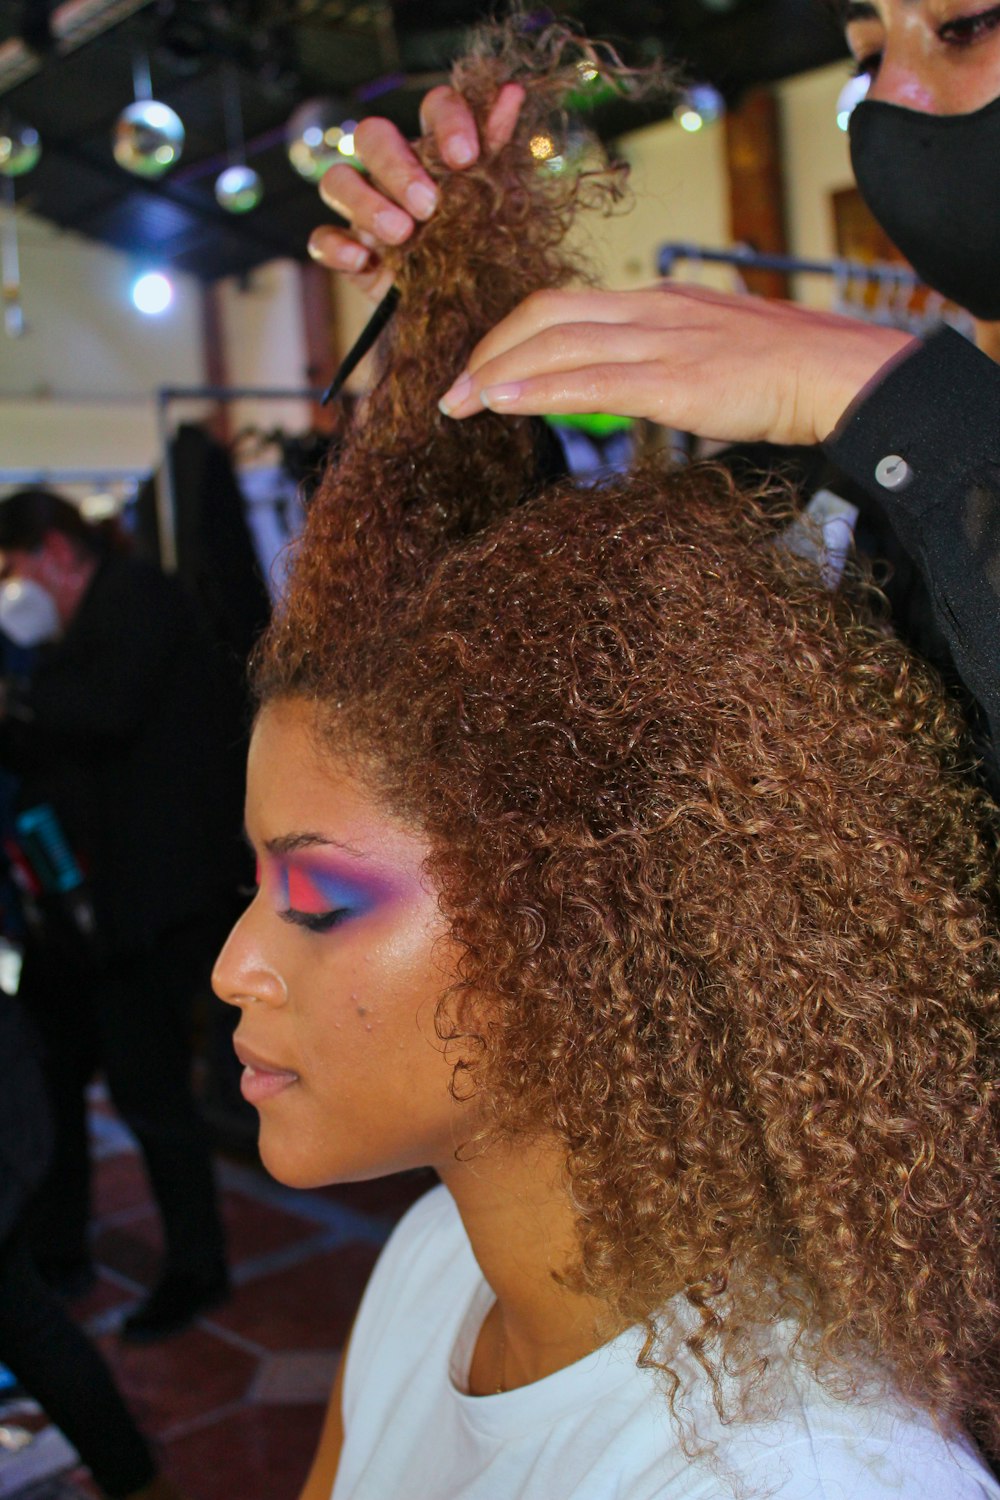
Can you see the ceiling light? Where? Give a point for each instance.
(152, 293)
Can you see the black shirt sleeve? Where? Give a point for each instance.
(925, 443)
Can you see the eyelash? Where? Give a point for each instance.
(322, 921)
(964, 31)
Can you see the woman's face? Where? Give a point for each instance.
(938, 56)
(337, 966)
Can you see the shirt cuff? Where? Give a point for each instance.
(931, 424)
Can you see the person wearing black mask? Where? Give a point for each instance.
(915, 424)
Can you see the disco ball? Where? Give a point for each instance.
(148, 138)
(238, 189)
(317, 135)
(20, 148)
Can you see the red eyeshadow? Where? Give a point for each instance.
(303, 893)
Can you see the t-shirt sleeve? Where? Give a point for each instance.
(912, 1461)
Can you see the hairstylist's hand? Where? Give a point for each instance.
(384, 207)
(736, 368)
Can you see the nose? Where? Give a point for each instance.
(903, 78)
(243, 974)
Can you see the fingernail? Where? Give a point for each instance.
(454, 397)
(421, 200)
(459, 150)
(500, 395)
(352, 257)
(392, 225)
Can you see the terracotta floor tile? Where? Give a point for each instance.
(133, 1249)
(105, 1295)
(254, 1229)
(184, 1377)
(284, 1379)
(119, 1183)
(383, 1197)
(309, 1307)
(258, 1453)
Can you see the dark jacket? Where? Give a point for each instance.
(128, 727)
(938, 410)
(25, 1127)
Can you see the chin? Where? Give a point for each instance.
(290, 1166)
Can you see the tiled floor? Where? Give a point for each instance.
(235, 1403)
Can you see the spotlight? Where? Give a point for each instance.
(852, 93)
(152, 293)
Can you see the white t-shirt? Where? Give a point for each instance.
(600, 1429)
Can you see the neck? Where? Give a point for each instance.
(515, 1206)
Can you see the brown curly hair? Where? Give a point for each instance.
(703, 832)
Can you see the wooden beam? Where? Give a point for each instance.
(757, 186)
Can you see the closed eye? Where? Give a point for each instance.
(314, 921)
(964, 30)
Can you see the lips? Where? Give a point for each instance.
(262, 1079)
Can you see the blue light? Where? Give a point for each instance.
(152, 293)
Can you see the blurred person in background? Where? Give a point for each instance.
(52, 1359)
(127, 839)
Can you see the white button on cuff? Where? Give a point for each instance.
(893, 472)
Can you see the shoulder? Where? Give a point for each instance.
(876, 1448)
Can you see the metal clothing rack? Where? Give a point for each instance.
(47, 474)
(743, 258)
(166, 500)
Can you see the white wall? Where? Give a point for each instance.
(76, 389)
(817, 163)
(264, 345)
(678, 190)
(681, 191)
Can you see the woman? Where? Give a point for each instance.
(615, 869)
(926, 149)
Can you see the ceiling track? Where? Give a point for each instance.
(71, 25)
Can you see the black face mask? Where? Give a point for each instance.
(933, 183)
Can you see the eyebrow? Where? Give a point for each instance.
(291, 843)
